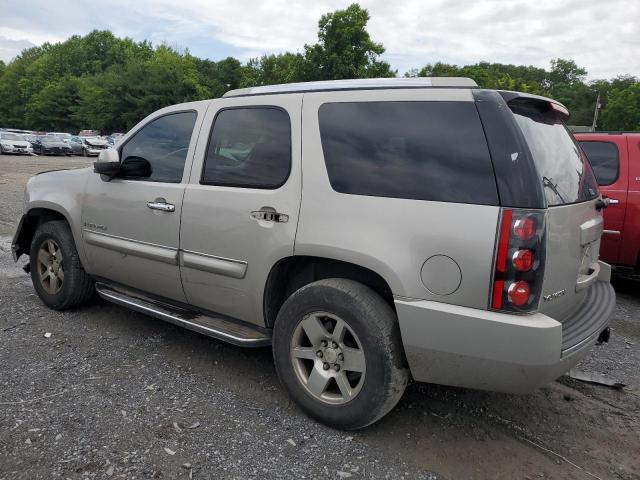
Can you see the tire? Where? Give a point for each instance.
(373, 337)
(76, 286)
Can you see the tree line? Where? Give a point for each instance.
(99, 81)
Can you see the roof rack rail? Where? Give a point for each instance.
(356, 84)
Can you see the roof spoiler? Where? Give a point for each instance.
(537, 105)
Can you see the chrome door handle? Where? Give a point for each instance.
(162, 206)
(268, 214)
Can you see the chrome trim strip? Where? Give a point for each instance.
(128, 246)
(228, 267)
(123, 300)
(611, 232)
(210, 263)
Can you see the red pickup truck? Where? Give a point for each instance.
(615, 158)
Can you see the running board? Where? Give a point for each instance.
(228, 330)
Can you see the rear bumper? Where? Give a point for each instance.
(466, 347)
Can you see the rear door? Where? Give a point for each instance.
(574, 225)
(241, 206)
(608, 156)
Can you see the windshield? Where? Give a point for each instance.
(563, 169)
(11, 136)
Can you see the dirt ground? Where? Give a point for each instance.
(115, 394)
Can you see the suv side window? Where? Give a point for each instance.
(164, 143)
(604, 160)
(249, 147)
(418, 150)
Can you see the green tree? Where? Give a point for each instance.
(274, 69)
(623, 108)
(345, 48)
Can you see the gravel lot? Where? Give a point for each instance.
(116, 394)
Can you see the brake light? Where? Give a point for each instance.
(522, 260)
(524, 228)
(561, 109)
(519, 261)
(518, 293)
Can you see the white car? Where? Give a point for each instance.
(14, 143)
(93, 146)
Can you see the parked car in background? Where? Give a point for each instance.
(61, 135)
(113, 138)
(31, 138)
(14, 143)
(615, 158)
(51, 145)
(92, 146)
(77, 145)
(443, 230)
(89, 133)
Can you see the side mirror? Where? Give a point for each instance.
(108, 164)
(136, 167)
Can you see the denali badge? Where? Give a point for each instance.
(94, 225)
(553, 296)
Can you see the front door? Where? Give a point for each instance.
(241, 205)
(131, 225)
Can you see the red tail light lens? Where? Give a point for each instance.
(522, 260)
(524, 228)
(519, 261)
(519, 293)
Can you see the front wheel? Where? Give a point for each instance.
(338, 353)
(56, 272)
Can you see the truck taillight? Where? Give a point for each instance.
(518, 293)
(519, 260)
(522, 260)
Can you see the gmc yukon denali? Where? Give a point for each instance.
(367, 230)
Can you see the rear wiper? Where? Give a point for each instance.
(548, 183)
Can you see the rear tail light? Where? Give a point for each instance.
(519, 261)
(518, 293)
(522, 260)
(524, 228)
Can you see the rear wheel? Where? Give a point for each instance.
(56, 272)
(338, 353)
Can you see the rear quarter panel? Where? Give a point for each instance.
(393, 237)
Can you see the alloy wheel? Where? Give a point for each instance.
(50, 267)
(328, 358)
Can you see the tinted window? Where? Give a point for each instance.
(164, 144)
(418, 150)
(562, 168)
(249, 147)
(603, 157)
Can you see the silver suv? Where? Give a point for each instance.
(368, 230)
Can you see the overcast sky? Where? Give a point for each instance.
(602, 36)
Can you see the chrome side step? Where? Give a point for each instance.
(236, 332)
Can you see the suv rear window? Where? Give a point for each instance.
(417, 150)
(562, 167)
(603, 157)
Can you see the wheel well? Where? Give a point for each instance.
(293, 273)
(32, 221)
